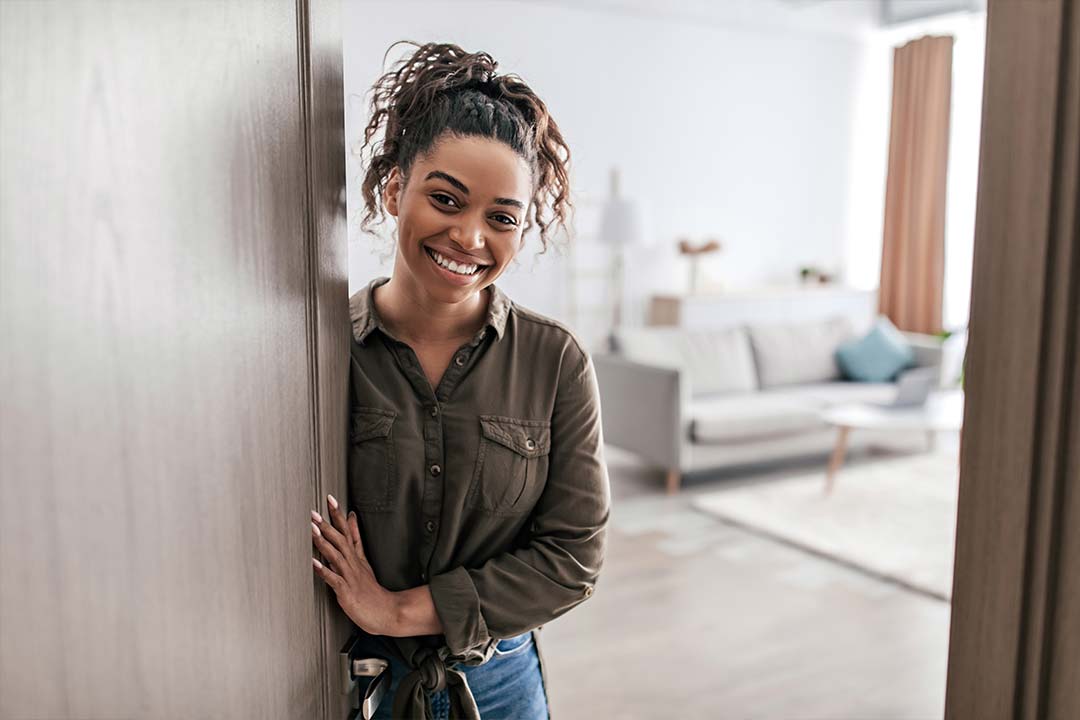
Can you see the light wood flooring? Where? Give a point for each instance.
(693, 618)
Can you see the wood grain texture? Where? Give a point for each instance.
(1014, 464)
(324, 116)
(156, 432)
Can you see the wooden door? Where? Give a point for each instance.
(172, 266)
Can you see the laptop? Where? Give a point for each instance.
(913, 388)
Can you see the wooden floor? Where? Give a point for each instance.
(693, 618)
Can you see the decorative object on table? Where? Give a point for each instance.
(695, 253)
(878, 356)
(620, 227)
(811, 274)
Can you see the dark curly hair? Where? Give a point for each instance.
(442, 89)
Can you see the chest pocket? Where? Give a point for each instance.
(372, 470)
(511, 464)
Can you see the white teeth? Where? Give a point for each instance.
(459, 268)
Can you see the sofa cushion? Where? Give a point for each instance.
(877, 356)
(748, 417)
(715, 361)
(798, 352)
(840, 392)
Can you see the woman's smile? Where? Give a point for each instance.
(453, 271)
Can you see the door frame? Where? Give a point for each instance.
(322, 103)
(1015, 628)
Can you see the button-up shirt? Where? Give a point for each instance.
(491, 488)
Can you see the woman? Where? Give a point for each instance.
(478, 493)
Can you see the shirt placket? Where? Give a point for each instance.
(431, 505)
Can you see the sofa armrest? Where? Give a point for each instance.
(642, 408)
(929, 350)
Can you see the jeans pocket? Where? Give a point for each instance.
(513, 645)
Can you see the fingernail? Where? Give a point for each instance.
(316, 529)
(333, 503)
(316, 516)
(316, 563)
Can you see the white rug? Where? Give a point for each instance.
(894, 518)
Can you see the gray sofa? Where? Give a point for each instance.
(686, 400)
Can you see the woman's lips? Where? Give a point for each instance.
(452, 276)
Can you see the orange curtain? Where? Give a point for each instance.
(913, 249)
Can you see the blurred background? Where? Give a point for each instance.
(771, 264)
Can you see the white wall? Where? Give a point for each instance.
(742, 133)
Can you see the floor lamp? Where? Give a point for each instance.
(620, 228)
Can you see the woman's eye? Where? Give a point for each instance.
(439, 198)
(510, 220)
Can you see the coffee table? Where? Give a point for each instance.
(943, 411)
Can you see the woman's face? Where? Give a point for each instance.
(460, 217)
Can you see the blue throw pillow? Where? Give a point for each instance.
(879, 356)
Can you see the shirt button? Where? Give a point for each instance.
(529, 443)
(430, 525)
(460, 360)
(588, 591)
(434, 411)
(435, 470)
(423, 576)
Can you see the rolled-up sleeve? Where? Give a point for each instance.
(557, 569)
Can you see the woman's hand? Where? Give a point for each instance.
(371, 606)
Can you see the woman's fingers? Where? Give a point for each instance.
(332, 534)
(332, 579)
(336, 516)
(334, 556)
(354, 529)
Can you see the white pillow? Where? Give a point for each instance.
(715, 361)
(799, 352)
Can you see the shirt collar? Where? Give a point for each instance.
(365, 318)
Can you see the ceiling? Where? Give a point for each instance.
(829, 17)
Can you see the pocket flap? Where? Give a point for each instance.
(369, 423)
(530, 438)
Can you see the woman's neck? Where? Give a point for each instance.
(413, 314)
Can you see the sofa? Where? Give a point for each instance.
(701, 399)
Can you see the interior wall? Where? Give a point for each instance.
(738, 133)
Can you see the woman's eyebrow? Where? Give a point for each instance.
(462, 187)
(448, 178)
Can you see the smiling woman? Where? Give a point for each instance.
(478, 492)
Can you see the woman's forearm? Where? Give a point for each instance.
(416, 613)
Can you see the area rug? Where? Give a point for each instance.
(892, 518)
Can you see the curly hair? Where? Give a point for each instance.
(442, 89)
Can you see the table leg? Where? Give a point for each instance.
(837, 458)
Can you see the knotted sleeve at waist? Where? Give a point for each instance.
(430, 675)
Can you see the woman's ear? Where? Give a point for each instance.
(392, 191)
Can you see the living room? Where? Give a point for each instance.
(783, 506)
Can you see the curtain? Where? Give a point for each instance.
(913, 249)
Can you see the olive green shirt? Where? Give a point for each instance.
(491, 488)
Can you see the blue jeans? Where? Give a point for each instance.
(509, 686)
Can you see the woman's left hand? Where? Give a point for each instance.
(367, 603)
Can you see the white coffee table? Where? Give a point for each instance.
(943, 411)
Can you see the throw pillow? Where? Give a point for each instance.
(878, 356)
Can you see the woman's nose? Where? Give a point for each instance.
(468, 235)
